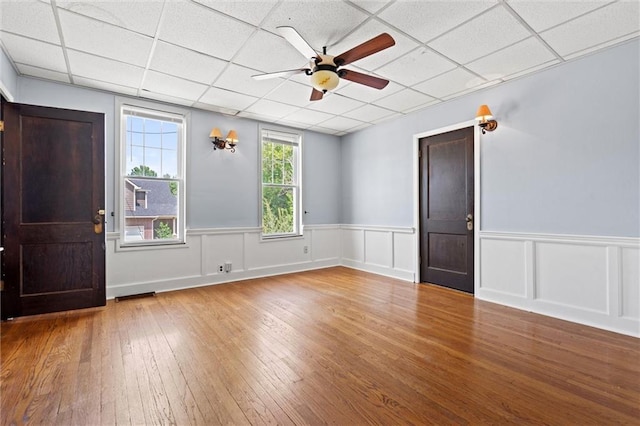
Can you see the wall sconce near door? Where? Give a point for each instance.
(229, 142)
(485, 119)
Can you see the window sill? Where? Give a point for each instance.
(127, 247)
(270, 239)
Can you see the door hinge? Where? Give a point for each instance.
(1, 126)
(1, 285)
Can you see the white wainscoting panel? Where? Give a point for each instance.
(630, 276)
(589, 280)
(139, 270)
(388, 251)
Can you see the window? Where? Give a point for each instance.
(280, 171)
(152, 179)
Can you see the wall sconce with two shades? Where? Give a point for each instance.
(229, 142)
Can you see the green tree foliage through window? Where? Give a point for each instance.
(142, 171)
(279, 187)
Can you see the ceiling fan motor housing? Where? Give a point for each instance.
(325, 75)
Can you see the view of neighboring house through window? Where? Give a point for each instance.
(280, 153)
(152, 177)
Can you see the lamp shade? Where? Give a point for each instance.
(215, 133)
(484, 113)
(232, 137)
(324, 80)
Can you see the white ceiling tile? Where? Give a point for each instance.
(320, 23)
(323, 130)
(292, 93)
(166, 98)
(249, 11)
(185, 63)
(604, 45)
(173, 86)
(227, 99)
(364, 93)
(387, 118)
(139, 16)
(270, 53)
(293, 124)
(97, 68)
(541, 15)
(472, 89)
(199, 28)
(531, 70)
(29, 18)
(369, 113)
(309, 117)
(422, 106)
(272, 109)
(334, 103)
(450, 82)
(427, 19)
(371, 6)
(109, 87)
(341, 123)
(42, 73)
(415, 67)
(238, 79)
(214, 108)
(91, 36)
(35, 53)
(404, 100)
(256, 117)
(368, 31)
(518, 57)
(492, 31)
(600, 26)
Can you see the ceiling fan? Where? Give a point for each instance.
(324, 69)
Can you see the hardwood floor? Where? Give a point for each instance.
(329, 346)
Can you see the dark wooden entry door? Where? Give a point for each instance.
(52, 193)
(446, 209)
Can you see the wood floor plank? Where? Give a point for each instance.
(332, 346)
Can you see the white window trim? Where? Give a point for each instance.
(298, 225)
(121, 104)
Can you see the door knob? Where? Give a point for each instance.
(97, 222)
(469, 220)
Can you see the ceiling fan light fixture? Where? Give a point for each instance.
(324, 80)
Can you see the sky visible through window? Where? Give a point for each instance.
(152, 143)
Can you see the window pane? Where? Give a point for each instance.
(288, 175)
(151, 209)
(277, 210)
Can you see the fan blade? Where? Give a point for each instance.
(279, 74)
(316, 95)
(367, 80)
(296, 40)
(365, 49)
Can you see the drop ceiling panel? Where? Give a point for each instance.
(270, 53)
(101, 85)
(185, 63)
(308, 117)
(43, 73)
(238, 79)
(249, 11)
(107, 70)
(91, 36)
(416, 66)
(227, 99)
(35, 53)
(267, 108)
(404, 100)
(448, 83)
(292, 93)
(199, 28)
(367, 94)
(368, 113)
(173, 86)
(492, 31)
(31, 19)
(320, 23)
(139, 16)
(366, 32)
(341, 123)
(526, 54)
(335, 104)
(608, 23)
(371, 6)
(542, 15)
(426, 20)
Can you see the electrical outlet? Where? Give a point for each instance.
(305, 250)
(227, 267)
(220, 268)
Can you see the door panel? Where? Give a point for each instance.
(52, 189)
(446, 200)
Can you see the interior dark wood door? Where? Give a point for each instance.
(446, 209)
(52, 193)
